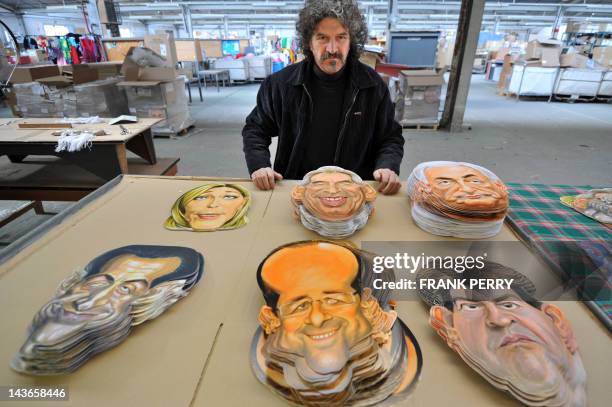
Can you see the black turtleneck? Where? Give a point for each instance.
(327, 92)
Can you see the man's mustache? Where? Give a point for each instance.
(332, 55)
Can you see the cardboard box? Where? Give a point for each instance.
(106, 69)
(422, 77)
(163, 44)
(83, 73)
(59, 81)
(445, 55)
(25, 74)
(189, 50)
(418, 99)
(550, 56)
(603, 56)
(11, 101)
(142, 64)
(536, 48)
(369, 58)
(573, 60)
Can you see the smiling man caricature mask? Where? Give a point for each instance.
(325, 339)
(210, 207)
(333, 202)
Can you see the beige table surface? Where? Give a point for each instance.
(197, 353)
(10, 131)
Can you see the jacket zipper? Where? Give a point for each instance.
(301, 130)
(309, 99)
(341, 136)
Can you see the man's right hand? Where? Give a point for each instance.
(265, 178)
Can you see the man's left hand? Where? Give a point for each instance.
(389, 181)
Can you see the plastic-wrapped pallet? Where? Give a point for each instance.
(606, 85)
(259, 67)
(238, 68)
(36, 100)
(417, 99)
(532, 80)
(164, 100)
(578, 82)
(101, 98)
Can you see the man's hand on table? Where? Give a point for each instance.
(265, 178)
(389, 181)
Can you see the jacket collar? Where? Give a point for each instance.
(359, 75)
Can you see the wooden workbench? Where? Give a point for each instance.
(107, 157)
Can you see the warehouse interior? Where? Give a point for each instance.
(551, 138)
(212, 199)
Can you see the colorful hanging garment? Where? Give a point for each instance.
(65, 48)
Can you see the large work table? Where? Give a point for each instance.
(107, 156)
(197, 352)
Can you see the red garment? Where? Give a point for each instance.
(74, 55)
(88, 49)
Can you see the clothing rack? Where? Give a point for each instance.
(69, 49)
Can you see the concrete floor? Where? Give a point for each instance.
(524, 141)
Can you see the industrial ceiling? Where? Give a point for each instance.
(500, 16)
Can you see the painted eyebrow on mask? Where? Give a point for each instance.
(504, 297)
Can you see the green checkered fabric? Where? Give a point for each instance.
(577, 247)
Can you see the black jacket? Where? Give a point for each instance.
(369, 138)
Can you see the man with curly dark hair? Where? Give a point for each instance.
(329, 109)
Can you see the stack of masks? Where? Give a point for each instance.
(94, 309)
(333, 202)
(596, 204)
(457, 199)
(325, 337)
(516, 343)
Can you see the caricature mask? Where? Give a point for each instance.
(457, 199)
(94, 309)
(210, 207)
(333, 202)
(517, 344)
(325, 339)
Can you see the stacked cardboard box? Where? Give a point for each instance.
(74, 93)
(418, 98)
(165, 100)
(603, 56)
(445, 53)
(155, 90)
(543, 52)
(98, 98)
(573, 60)
(34, 99)
(163, 44)
(29, 73)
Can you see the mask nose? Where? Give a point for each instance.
(94, 300)
(212, 202)
(496, 318)
(317, 316)
(466, 187)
